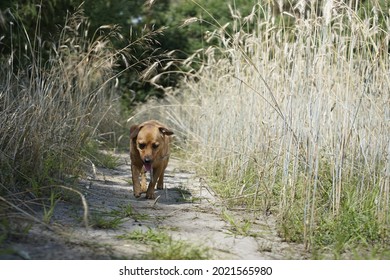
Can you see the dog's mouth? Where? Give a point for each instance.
(148, 166)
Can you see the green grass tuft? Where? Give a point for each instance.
(164, 247)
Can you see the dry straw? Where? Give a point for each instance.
(53, 103)
(297, 118)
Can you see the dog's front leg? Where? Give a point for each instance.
(135, 172)
(143, 180)
(155, 175)
(160, 183)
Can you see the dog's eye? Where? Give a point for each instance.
(155, 146)
(141, 146)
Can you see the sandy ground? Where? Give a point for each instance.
(186, 209)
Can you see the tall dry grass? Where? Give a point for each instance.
(295, 121)
(49, 111)
(56, 100)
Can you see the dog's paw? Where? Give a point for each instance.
(150, 195)
(137, 195)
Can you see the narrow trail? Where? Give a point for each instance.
(186, 210)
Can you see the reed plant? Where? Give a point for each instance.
(57, 99)
(294, 120)
(49, 108)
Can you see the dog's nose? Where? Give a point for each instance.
(147, 160)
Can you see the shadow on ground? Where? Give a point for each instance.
(186, 211)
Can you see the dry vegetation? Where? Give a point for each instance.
(292, 120)
(56, 100)
(295, 120)
(48, 112)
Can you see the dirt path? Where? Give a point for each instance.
(185, 213)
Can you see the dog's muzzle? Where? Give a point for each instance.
(148, 164)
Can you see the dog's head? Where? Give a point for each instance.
(149, 139)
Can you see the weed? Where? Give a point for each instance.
(178, 250)
(93, 152)
(114, 218)
(185, 195)
(148, 237)
(13, 230)
(105, 221)
(163, 247)
(127, 211)
(243, 227)
(48, 212)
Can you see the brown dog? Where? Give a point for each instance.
(149, 151)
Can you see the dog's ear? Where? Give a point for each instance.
(165, 130)
(134, 129)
